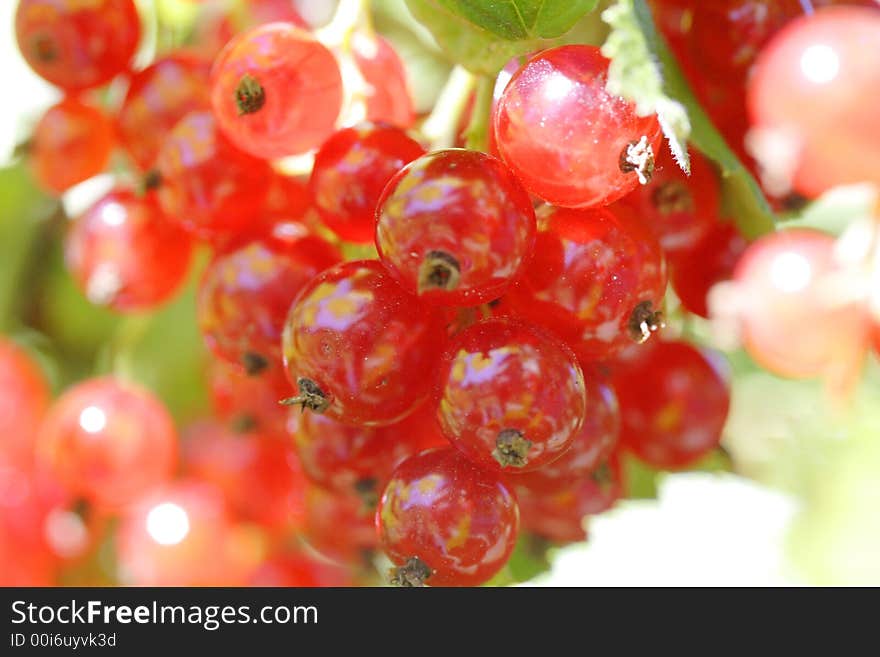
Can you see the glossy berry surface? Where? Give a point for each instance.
(511, 397)
(815, 88)
(351, 169)
(566, 137)
(458, 520)
(710, 261)
(207, 184)
(591, 447)
(23, 402)
(793, 320)
(339, 527)
(354, 460)
(108, 441)
(243, 400)
(455, 227)
(245, 293)
(77, 45)
(276, 91)
(595, 277)
(124, 253)
(71, 142)
(678, 209)
(157, 98)
(674, 402)
(388, 95)
(358, 347)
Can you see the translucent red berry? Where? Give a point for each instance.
(157, 98)
(351, 170)
(569, 140)
(359, 348)
(245, 293)
(709, 261)
(22, 404)
(813, 96)
(455, 227)
(446, 522)
(791, 319)
(108, 441)
(77, 45)
(354, 460)
(678, 209)
(205, 183)
(276, 91)
(674, 402)
(388, 95)
(258, 472)
(124, 253)
(248, 402)
(71, 142)
(511, 397)
(591, 447)
(597, 280)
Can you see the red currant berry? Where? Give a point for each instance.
(77, 45)
(157, 98)
(446, 522)
(355, 460)
(351, 170)
(339, 527)
(674, 402)
(561, 516)
(597, 280)
(566, 137)
(258, 473)
(245, 294)
(678, 209)
(359, 348)
(248, 402)
(276, 91)
(108, 441)
(205, 182)
(71, 143)
(791, 323)
(23, 403)
(124, 253)
(708, 262)
(591, 447)
(511, 397)
(455, 227)
(389, 99)
(815, 90)
(178, 535)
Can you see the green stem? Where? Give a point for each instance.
(481, 115)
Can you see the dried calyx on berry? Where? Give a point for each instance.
(439, 271)
(254, 363)
(412, 574)
(511, 448)
(249, 95)
(310, 397)
(638, 156)
(644, 321)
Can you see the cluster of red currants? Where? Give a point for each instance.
(485, 372)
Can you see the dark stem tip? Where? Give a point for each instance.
(439, 271)
(310, 397)
(412, 574)
(644, 321)
(249, 95)
(254, 363)
(511, 448)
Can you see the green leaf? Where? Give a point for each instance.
(838, 208)
(645, 71)
(475, 48)
(515, 20)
